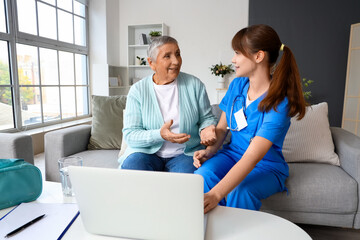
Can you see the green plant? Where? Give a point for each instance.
(221, 69)
(155, 33)
(27, 93)
(305, 84)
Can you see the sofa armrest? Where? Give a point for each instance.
(347, 146)
(16, 145)
(63, 143)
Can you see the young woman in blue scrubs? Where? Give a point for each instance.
(256, 109)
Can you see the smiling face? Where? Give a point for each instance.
(167, 65)
(244, 66)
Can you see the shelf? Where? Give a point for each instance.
(135, 49)
(139, 66)
(139, 46)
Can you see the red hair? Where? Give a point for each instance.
(285, 81)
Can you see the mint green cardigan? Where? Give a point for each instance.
(143, 119)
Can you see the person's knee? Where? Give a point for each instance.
(244, 196)
(132, 164)
(203, 171)
(183, 169)
(209, 176)
(137, 161)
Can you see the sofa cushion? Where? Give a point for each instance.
(309, 139)
(107, 122)
(99, 158)
(321, 188)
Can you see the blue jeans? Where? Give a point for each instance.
(152, 162)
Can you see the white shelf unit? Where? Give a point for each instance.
(123, 81)
(136, 48)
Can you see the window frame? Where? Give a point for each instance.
(14, 36)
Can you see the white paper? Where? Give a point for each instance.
(57, 218)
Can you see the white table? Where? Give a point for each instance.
(222, 224)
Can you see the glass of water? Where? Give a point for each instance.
(64, 163)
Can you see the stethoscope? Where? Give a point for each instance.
(232, 109)
(243, 104)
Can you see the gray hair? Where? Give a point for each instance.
(153, 49)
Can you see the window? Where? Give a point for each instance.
(43, 62)
(2, 17)
(6, 109)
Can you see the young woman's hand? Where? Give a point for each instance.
(201, 156)
(208, 136)
(168, 135)
(211, 200)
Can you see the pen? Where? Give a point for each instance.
(24, 226)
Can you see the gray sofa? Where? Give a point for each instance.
(16, 145)
(319, 194)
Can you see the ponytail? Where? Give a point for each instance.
(285, 83)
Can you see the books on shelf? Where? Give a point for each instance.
(143, 39)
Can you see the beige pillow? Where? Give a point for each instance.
(310, 140)
(107, 122)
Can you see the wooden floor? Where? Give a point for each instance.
(330, 233)
(315, 232)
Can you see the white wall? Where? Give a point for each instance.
(98, 47)
(203, 28)
(104, 42)
(113, 35)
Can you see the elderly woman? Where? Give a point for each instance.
(168, 115)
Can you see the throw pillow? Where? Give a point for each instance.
(107, 122)
(309, 139)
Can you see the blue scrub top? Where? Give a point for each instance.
(272, 125)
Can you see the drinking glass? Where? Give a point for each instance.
(64, 163)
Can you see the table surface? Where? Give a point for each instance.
(222, 222)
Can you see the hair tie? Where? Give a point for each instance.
(282, 47)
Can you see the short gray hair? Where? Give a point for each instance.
(153, 49)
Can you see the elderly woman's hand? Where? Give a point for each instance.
(201, 156)
(166, 134)
(208, 136)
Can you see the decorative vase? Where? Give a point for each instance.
(137, 61)
(152, 38)
(221, 83)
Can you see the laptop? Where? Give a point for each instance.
(139, 204)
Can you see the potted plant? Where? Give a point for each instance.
(153, 34)
(221, 70)
(305, 84)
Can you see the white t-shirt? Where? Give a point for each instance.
(168, 99)
(248, 101)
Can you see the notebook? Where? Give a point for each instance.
(57, 220)
(139, 204)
